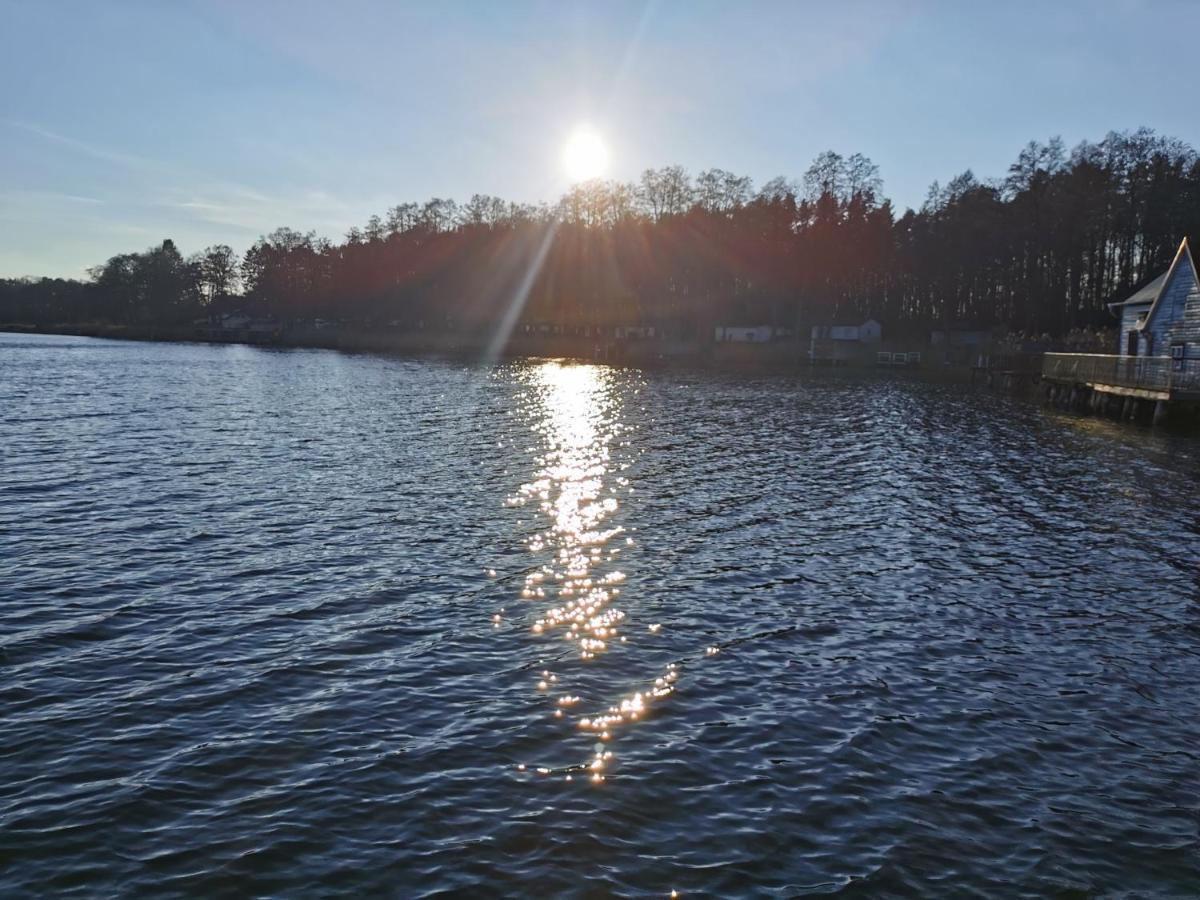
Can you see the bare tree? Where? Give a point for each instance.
(861, 177)
(825, 177)
(218, 267)
(402, 217)
(374, 230)
(438, 215)
(678, 193)
(721, 192)
(778, 190)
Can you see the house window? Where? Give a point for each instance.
(1179, 357)
(1131, 344)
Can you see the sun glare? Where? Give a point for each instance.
(585, 155)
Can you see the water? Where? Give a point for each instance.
(297, 623)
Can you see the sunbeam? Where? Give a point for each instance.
(517, 304)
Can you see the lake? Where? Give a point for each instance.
(300, 623)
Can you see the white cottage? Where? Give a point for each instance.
(843, 343)
(869, 331)
(1163, 318)
(746, 334)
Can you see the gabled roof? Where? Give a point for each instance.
(1151, 294)
(1182, 257)
(1146, 294)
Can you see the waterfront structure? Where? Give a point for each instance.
(898, 358)
(1163, 318)
(1157, 362)
(748, 334)
(844, 342)
(634, 332)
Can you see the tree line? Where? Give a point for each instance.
(1041, 250)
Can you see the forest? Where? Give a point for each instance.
(1040, 250)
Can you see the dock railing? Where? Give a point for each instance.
(1148, 373)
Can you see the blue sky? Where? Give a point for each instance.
(128, 121)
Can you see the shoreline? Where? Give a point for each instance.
(782, 358)
(777, 358)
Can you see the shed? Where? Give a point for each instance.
(1163, 317)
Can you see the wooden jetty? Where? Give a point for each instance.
(1128, 387)
(1156, 369)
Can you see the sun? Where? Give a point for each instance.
(585, 155)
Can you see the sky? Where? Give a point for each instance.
(129, 121)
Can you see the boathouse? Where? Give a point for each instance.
(1163, 318)
(1157, 362)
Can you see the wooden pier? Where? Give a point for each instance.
(1128, 387)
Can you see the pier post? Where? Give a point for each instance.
(1160, 411)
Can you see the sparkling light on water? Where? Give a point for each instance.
(574, 414)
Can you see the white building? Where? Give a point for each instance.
(633, 332)
(841, 343)
(869, 331)
(748, 334)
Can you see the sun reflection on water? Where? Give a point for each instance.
(577, 429)
(574, 492)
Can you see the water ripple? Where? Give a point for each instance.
(308, 623)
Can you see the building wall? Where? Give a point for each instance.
(1129, 319)
(870, 330)
(634, 331)
(1185, 329)
(744, 334)
(1168, 323)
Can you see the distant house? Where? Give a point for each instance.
(1163, 318)
(542, 328)
(749, 334)
(235, 321)
(633, 332)
(843, 342)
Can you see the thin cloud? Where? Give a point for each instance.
(92, 150)
(16, 197)
(252, 212)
